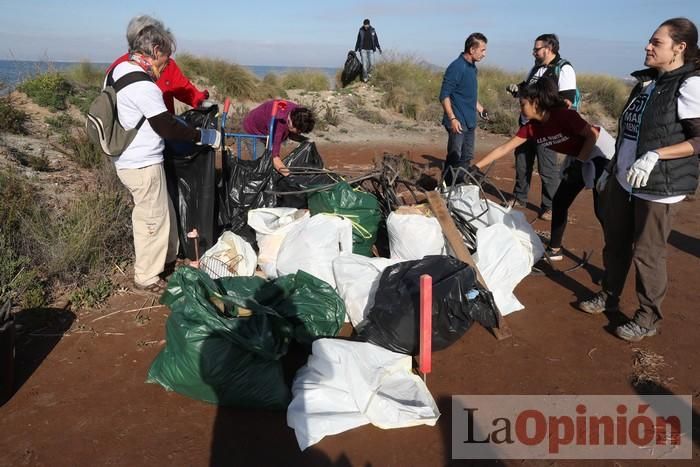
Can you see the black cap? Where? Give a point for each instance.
(365, 22)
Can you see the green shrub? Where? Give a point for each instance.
(410, 87)
(229, 79)
(86, 74)
(47, 90)
(307, 80)
(608, 92)
(92, 295)
(503, 108)
(62, 123)
(19, 276)
(81, 150)
(19, 281)
(18, 201)
(89, 237)
(82, 97)
(12, 119)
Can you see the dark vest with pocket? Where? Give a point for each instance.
(661, 127)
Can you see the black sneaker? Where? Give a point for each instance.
(599, 302)
(633, 332)
(553, 254)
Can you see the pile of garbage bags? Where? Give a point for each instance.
(294, 261)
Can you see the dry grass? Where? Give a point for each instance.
(646, 369)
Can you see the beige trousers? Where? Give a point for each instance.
(153, 221)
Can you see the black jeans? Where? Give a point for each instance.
(571, 185)
(547, 166)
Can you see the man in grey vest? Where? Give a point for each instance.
(549, 64)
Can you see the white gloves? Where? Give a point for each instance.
(638, 174)
(602, 181)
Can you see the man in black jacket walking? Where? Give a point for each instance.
(367, 43)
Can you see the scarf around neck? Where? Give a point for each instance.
(144, 63)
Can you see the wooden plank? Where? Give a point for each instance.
(461, 252)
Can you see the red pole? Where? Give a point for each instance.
(425, 360)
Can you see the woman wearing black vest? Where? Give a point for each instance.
(655, 167)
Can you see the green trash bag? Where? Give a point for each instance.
(222, 346)
(361, 208)
(311, 305)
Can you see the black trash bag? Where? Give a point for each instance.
(7, 352)
(305, 156)
(191, 179)
(352, 69)
(241, 188)
(394, 319)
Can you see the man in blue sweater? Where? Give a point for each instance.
(458, 96)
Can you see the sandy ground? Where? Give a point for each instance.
(81, 397)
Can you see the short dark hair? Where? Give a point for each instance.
(474, 39)
(365, 22)
(544, 92)
(303, 119)
(550, 40)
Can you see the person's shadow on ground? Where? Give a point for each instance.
(36, 332)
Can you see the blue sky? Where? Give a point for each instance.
(596, 36)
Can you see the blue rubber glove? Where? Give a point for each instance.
(638, 174)
(209, 138)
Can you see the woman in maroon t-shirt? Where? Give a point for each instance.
(553, 125)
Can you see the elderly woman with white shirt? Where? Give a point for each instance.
(654, 168)
(140, 167)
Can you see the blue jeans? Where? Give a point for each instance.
(460, 151)
(367, 57)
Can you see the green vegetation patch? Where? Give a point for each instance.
(48, 90)
(308, 80)
(12, 119)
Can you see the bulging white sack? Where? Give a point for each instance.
(313, 244)
(271, 225)
(348, 384)
(357, 278)
(413, 236)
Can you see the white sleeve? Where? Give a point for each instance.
(149, 99)
(689, 98)
(567, 78)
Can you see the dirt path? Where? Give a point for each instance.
(82, 398)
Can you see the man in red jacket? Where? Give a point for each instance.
(171, 81)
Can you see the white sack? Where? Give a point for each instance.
(357, 278)
(503, 263)
(349, 384)
(230, 256)
(413, 236)
(271, 225)
(313, 244)
(506, 244)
